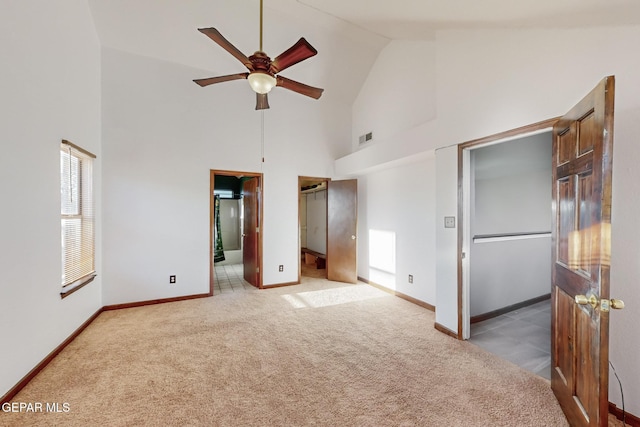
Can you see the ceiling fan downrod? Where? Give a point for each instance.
(260, 25)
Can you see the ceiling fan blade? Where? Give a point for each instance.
(215, 35)
(303, 89)
(296, 53)
(212, 80)
(262, 102)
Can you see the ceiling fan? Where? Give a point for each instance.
(263, 71)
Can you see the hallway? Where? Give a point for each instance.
(522, 337)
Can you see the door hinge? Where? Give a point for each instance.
(257, 229)
(258, 270)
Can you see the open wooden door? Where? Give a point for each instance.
(582, 166)
(342, 229)
(251, 230)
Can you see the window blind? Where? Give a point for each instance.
(77, 214)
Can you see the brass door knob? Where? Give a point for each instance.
(584, 300)
(605, 304)
(617, 304)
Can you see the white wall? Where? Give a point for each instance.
(303, 221)
(396, 201)
(446, 260)
(511, 193)
(162, 135)
(490, 81)
(316, 221)
(399, 92)
(512, 186)
(515, 203)
(50, 86)
(508, 272)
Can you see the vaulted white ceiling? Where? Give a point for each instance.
(349, 34)
(167, 30)
(419, 18)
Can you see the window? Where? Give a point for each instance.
(224, 194)
(77, 217)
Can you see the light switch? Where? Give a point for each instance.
(449, 222)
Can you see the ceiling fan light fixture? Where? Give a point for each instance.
(261, 82)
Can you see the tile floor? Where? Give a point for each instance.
(230, 278)
(522, 337)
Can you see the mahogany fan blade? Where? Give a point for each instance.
(262, 102)
(296, 53)
(301, 88)
(215, 35)
(212, 80)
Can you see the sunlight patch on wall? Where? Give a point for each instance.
(382, 258)
(382, 250)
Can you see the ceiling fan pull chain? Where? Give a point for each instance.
(262, 140)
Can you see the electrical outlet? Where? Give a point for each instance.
(411, 278)
(172, 279)
(281, 268)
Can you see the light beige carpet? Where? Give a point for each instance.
(320, 353)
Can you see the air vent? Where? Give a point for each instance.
(365, 138)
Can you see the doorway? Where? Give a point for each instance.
(507, 247)
(581, 236)
(332, 232)
(312, 220)
(235, 249)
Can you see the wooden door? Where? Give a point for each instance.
(582, 155)
(251, 230)
(342, 227)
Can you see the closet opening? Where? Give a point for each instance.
(312, 220)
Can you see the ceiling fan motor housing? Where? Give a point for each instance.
(261, 62)
(261, 79)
